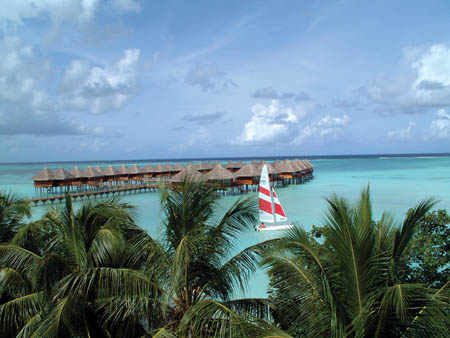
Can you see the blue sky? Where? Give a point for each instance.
(130, 79)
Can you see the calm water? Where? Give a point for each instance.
(396, 183)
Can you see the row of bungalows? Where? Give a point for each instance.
(237, 175)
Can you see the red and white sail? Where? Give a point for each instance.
(265, 200)
(280, 215)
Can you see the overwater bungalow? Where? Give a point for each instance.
(234, 176)
(62, 179)
(79, 179)
(111, 174)
(43, 180)
(160, 171)
(247, 176)
(189, 172)
(177, 167)
(234, 166)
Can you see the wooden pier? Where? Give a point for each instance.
(96, 194)
(232, 178)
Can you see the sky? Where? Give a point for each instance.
(134, 79)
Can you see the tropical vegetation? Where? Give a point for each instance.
(92, 271)
(348, 283)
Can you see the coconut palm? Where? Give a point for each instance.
(197, 267)
(54, 292)
(348, 284)
(12, 212)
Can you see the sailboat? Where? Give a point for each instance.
(271, 213)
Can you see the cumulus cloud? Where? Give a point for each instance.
(204, 119)
(26, 106)
(328, 127)
(209, 77)
(99, 89)
(440, 127)
(402, 134)
(427, 84)
(267, 123)
(270, 93)
(20, 72)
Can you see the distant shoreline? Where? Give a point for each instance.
(266, 158)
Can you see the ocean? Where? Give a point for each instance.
(397, 183)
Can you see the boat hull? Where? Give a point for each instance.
(275, 227)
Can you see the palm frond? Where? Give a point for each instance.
(15, 313)
(235, 273)
(404, 235)
(106, 282)
(66, 319)
(214, 319)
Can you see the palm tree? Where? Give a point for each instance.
(348, 283)
(198, 269)
(12, 212)
(52, 291)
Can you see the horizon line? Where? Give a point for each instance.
(181, 159)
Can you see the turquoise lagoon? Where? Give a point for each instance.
(396, 184)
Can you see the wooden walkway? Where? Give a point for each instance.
(97, 194)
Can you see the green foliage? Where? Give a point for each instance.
(429, 252)
(53, 287)
(13, 210)
(93, 272)
(349, 283)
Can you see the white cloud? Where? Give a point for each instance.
(267, 123)
(440, 128)
(427, 84)
(402, 134)
(16, 11)
(20, 72)
(328, 127)
(98, 89)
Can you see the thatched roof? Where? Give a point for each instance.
(122, 170)
(230, 164)
(133, 170)
(219, 173)
(177, 167)
(100, 170)
(61, 174)
(44, 175)
(190, 173)
(270, 168)
(168, 167)
(110, 171)
(159, 168)
(92, 172)
(284, 167)
(207, 165)
(234, 165)
(248, 170)
(239, 164)
(147, 169)
(308, 164)
(77, 172)
(297, 164)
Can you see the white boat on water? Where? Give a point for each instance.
(271, 213)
